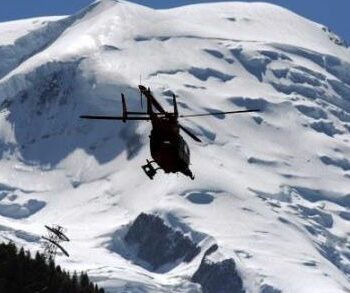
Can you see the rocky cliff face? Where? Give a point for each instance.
(217, 275)
(158, 244)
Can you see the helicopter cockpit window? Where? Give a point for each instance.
(186, 149)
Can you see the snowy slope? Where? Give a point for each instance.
(271, 189)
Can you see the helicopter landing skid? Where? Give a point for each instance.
(149, 169)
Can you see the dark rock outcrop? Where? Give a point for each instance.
(218, 276)
(269, 289)
(159, 244)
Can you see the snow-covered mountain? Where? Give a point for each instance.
(272, 188)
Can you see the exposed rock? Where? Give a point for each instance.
(269, 289)
(218, 276)
(159, 244)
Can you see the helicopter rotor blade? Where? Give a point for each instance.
(156, 104)
(113, 117)
(141, 92)
(141, 100)
(190, 134)
(176, 111)
(219, 113)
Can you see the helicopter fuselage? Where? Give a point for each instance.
(168, 148)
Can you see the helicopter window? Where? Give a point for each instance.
(186, 149)
(166, 142)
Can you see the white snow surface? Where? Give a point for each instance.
(271, 188)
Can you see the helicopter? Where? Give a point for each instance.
(169, 150)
